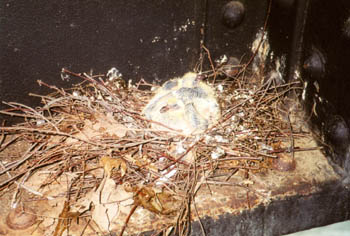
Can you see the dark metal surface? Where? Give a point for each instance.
(313, 35)
(283, 216)
(234, 40)
(329, 41)
(154, 40)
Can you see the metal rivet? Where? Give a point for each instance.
(233, 14)
(337, 133)
(315, 64)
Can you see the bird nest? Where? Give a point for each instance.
(93, 156)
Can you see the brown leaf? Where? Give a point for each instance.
(64, 219)
(108, 204)
(163, 203)
(104, 124)
(109, 164)
(109, 125)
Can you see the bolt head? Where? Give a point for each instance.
(315, 64)
(233, 14)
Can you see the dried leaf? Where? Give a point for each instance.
(163, 203)
(108, 206)
(64, 219)
(102, 125)
(109, 164)
(109, 125)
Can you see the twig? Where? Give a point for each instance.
(26, 156)
(211, 62)
(291, 136)
(47, 132)
(37, 114)
(23, 172)
(2, 147)
(127, 219)
(83, 231)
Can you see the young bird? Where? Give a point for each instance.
(185, 104)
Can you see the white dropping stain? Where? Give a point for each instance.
(241, 114)
(179, 148)
(303, 95)
(223, 59)
(317, 86)
(266, 147)
(155, 39)
(263, 50)
(277, 73)
(166, 175)
(220, 88)
(208, 139)
(220, 139)
(113, 73)
(219, 152)
(130, 83)
(40, 122)
(184, 27)
(234, 118)
(296, 74)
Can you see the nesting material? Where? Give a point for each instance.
(104, 145)
(185, 104)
